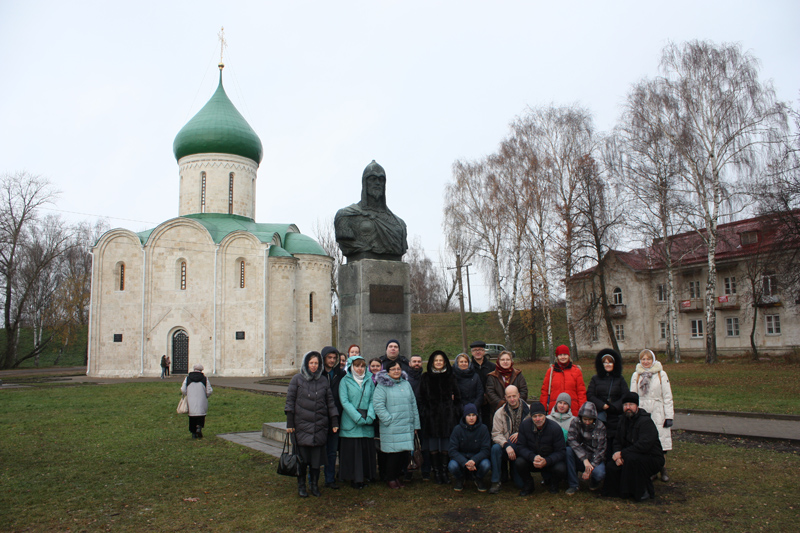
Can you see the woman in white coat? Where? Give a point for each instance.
(655, 396)
(197, 389)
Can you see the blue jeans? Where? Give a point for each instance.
(499, 459)
(573, 465)
(331, 448)
(458, 471)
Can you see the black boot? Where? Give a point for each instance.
(313, 486)
(445, 459)
(436, 469)
(301, 483)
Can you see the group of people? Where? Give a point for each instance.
(472, 419)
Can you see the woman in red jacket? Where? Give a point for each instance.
(563, 377)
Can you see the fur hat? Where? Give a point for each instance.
(562, 350)
(630, 397)
(478, 344)
(538, 408)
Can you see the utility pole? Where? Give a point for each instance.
(469, 291)
(461, 304)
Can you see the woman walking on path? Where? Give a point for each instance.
(396, 409)
(606, 390)
(468, 381)
(163, 366)
(501, 377)
(563, 376)
(655, 396)
(310, 409)
(440, 401)
(197, 389)
(356, 438)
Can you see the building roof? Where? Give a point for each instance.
(218, 128)
(219, 226)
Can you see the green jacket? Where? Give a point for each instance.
(353, 398)
(396, 407)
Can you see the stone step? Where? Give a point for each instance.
(274, 431)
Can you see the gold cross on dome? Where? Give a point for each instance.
(222, 45)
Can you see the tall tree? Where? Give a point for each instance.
(326, 237)
(718, 114)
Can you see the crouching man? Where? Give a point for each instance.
(637, 454)
(469, 450)
(586, 449)
(541, 448)
(505, 432)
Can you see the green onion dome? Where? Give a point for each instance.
(218, 128)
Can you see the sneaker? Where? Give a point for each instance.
(458, 484)
(495, 488)
(481, 485)
(571, 491)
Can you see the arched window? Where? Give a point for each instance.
(230, 193)
(180, 274)
(119, 276)
(311, 307)
(617, 296)
(202, 192)
(241, 274)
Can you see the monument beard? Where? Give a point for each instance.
(368, 229)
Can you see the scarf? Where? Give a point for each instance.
(442, 371)
(506, 374)
(359, 379)
(645, 374)
(516, 418)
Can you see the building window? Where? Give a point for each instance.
(730, 285)
(664, 328)
(241, 274)
(749, 237)
(230, 193)
(202, 192)
(732, 327)
(619, 331)
(593, 332)
(119, 276)
(694, 289)
(617, 296)
(662, 292)
(773, 324)
(769, 285)
(311, 307)
(117, 337)
(697, 329)
(183, 275)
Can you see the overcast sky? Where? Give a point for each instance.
(93, 93)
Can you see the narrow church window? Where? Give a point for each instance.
(183, 275)
(311, 307)
(241, 274)
(121, 275)
(202, 192)
(230, 194)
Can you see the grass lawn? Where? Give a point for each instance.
(117, 457)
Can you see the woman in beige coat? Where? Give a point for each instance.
(655, 396)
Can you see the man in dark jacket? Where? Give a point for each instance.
(540, 448)
(334, 374)
(483, 367)
(637, 454)
(586, 449)
(415, 373)
(392, 353)
(414, 379)
(469, 450)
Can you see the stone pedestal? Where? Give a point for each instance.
(374, 306)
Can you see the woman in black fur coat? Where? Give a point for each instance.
(606, 390)
(441, 411)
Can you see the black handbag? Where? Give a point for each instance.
(289, 462)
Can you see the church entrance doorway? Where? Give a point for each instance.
(180, 352)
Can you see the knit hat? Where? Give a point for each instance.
(562, 350)
(538, 408)
(393, 341)
(630, 397)
(564, 397)
(470, 409)
(478, 344)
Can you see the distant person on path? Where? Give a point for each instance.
(396, 409)
(356, 438)
(655, 396)
(505, 433)
(393, 354)
(169, 363)
(470, 448)
(562, 413)
(501, 377)
(197, 389)
(334, 374)
(541, 448)
(637, 454)
(469, 382)
(606, 390)
(163, 366)
(483, 367)
(441, 411)
(310, 411)
(586, 449)
(563, 376)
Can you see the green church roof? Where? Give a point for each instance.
(221, 225)
(218, 128)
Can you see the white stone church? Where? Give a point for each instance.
(211, 286)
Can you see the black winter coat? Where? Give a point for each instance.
(469, 386)
(310, 408)
(470, 442)
(608, 388)
(440, 401)
(638, 435)
(334, 377)
(548, 442)
(414, 379)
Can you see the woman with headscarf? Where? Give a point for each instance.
(468, 381)
(197, 389)
(563, 376)
(651, 382)
(501, 377)
(356, 438)
(441, 411)
(606, 390)
(310, 410)
(396, 409)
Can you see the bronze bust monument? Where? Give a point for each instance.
(368, 229)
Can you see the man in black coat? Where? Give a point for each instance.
(393, 353)
(540, 448)
(637, 454)
(334, 374)
(483, 367)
